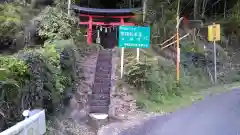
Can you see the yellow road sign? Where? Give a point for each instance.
(214, 32)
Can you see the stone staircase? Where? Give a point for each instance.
(100, 98)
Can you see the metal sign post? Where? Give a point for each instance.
(138, 54)
(122, 61)
(214, 35)
(133, 37)
(215, 61)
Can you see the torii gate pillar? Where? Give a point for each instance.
(89, 34)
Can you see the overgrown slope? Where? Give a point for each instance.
(45, 75)
(155, 79)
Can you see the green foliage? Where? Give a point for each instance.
(39, 80)
(63, 3)
(14, 67)
(50, 76)
(189, 46)
(11, 19)
(39, 77)
(159, 81)
(235, 13)
(12, 74)
(161, 15)
(231, 24)
(56, 24)
(138, 74)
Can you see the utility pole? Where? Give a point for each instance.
(177, 46)
(130, 3)
(225, 6)
(195, 12)
(69, 6)
(144, 9)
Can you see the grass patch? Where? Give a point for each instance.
(173, 103)
(154, 88)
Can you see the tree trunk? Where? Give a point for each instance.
(195, 9)
(204, 5)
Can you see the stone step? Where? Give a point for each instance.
(108, 58)
(99, 102)
(103, 68)
(101, 80)
(102, 75)
(100, 90)
(105, 55)
(101, 65)
(101, 62)
(99, 109)
(100, 96)
(105, 63)
(102, 83)
(104, 52)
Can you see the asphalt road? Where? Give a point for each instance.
(216, 115)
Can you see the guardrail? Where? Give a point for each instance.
(34, 125)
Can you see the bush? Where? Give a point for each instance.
(11, 19)
(11, 22)
(13, 72)
(159, 81)
(38, 78)
(56, 24)
(137, 75)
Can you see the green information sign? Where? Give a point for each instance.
(134, 37)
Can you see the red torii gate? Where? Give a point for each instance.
(90, 21)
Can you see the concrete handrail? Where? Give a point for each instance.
(35, 124)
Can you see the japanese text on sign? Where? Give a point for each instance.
(134, 37)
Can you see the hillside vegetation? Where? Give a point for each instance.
(39, 60)
(41, 47)
(155, 79)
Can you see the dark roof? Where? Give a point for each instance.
(100, 10)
